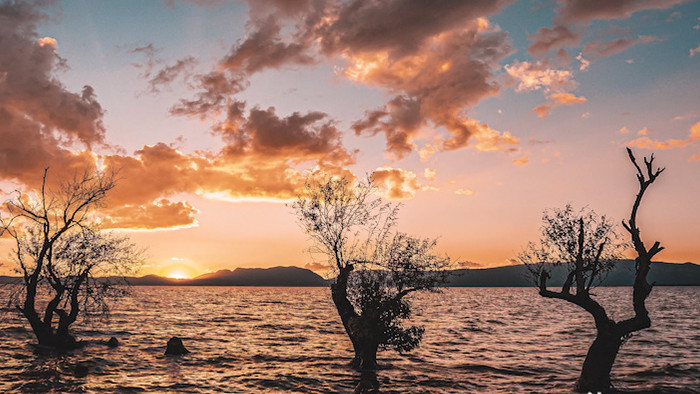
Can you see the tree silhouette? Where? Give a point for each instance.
(59, 252)
(376, 267)
(589, 246)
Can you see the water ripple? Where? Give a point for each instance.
(290, 340)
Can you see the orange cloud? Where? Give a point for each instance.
(431, 91)
(542, 110)
(318, 267)
(647, 143)
(566, 99)
(695, 131)
(435, 59)
(429, 173)
(557, 100)
(396, 183)
(468, 264)
(695, 50)
(535, 76)
(521, 161)
(464, 192)
(161, 214)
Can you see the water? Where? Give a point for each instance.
(491, 340)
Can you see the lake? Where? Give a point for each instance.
(491, 340)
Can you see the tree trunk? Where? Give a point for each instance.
(361, 332)
(46, 335)
(368, 383)
(595, 375)
(368, 355)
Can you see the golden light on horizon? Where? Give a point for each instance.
(178, 273)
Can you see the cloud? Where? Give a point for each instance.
(399, 120)
(486, 139)
(397, 27)
(598, 49)
(674, 15)
(468, 264)
(547, 39)
(160, 170)
(429, 173)
(42, 123)
(296, 138)
(694, 158)
(521, 161)
(465, 192)
(538, 75)
(566, 99)
(264, 48)
(453, 72)
(695, 131)
(160, 214)
(199, 3)
(573, 16)
(584, 11)
(695, 50)
(433, 60)
(168, 74)
(584, 62)
(318, 267)
(647, 143)
(29, 88)
(396, 183)
(557, 100)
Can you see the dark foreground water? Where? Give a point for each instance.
(491, 340)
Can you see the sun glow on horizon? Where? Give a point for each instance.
(178, 273)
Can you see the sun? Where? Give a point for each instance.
(178, 273)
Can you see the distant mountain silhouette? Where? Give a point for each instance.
(664, 274)
(276, 276)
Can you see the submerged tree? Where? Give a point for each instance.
(376, 267)
(588, 246)
(60, 254)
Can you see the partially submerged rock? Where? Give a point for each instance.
(175, 347)
(81, 369)
(113, 342)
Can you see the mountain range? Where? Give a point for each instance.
(662, 274)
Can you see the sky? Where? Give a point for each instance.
(476, 116)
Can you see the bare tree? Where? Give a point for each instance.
(60, 253)
(354, 230)
(588, 246)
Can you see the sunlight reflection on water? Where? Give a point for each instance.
(290, 339)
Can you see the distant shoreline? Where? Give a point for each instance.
(661, 274)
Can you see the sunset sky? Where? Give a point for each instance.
(476, 115)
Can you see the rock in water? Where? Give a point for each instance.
(113, 342)
(175, 347)
(81, 370)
